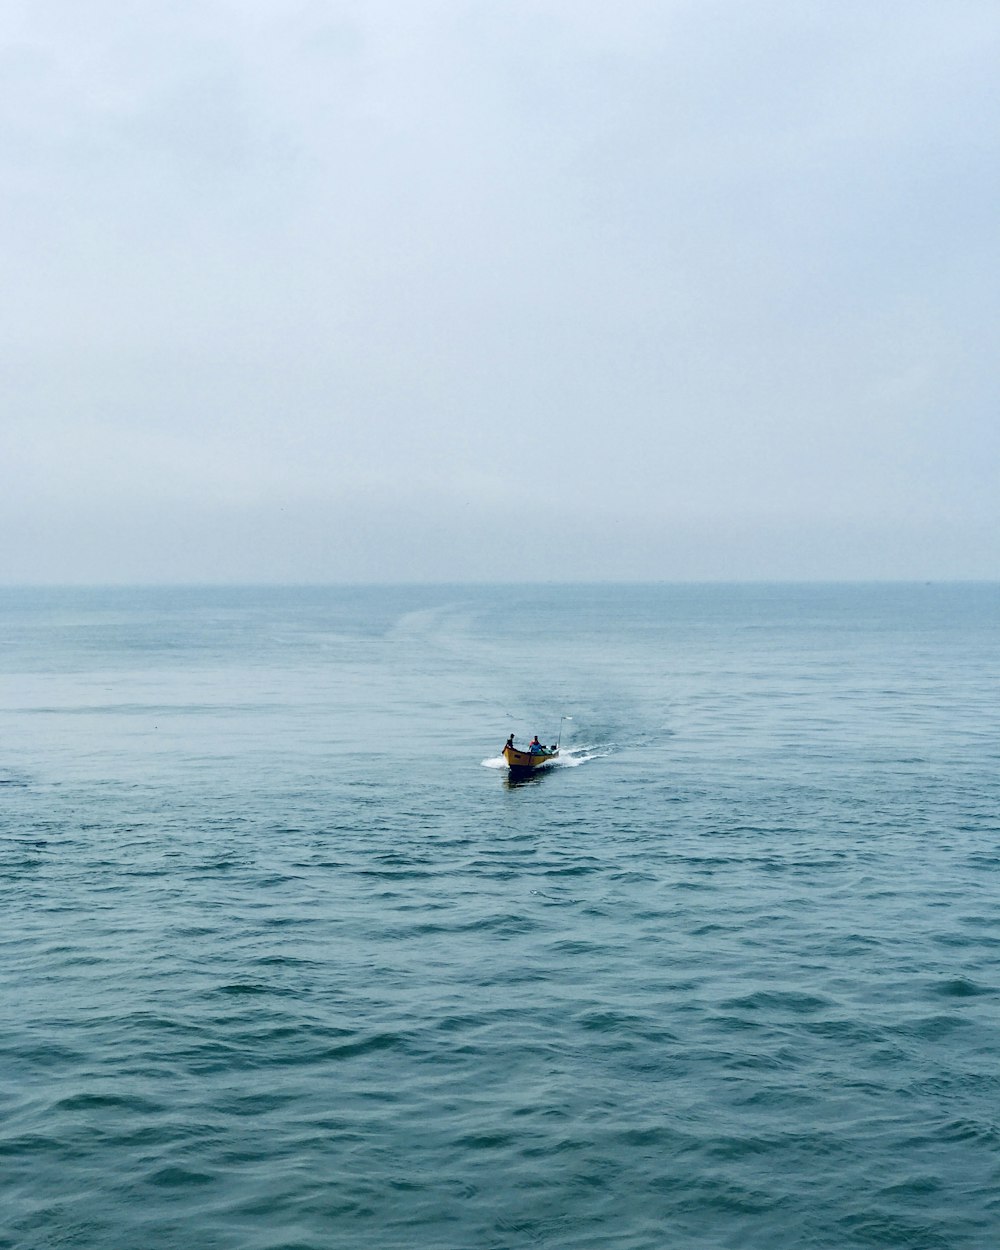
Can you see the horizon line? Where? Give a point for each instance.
(358, 584)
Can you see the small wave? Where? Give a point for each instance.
(795, 1002)
(934, 1027)
(365, 1045)
(245, 987)
(961, 987)
(984, 1132)
(175, 1176)
(101, 1102)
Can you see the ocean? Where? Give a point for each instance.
(288, 963)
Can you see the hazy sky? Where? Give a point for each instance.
(321, 290)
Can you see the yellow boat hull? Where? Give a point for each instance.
(525, 761)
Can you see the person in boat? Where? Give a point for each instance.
(536, 747)
(509, 743)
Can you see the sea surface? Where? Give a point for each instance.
(287, 962)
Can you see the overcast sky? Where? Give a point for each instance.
(323, 290)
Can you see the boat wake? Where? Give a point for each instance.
(573, 757)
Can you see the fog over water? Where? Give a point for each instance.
(337, 291)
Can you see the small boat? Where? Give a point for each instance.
(521, 763)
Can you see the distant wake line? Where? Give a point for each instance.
(569, 757)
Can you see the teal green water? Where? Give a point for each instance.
(288, 963)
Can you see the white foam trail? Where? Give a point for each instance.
(573, 757)
(497, 761)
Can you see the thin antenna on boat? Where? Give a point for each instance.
(561, 719)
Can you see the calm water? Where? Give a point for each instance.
(288, 963)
